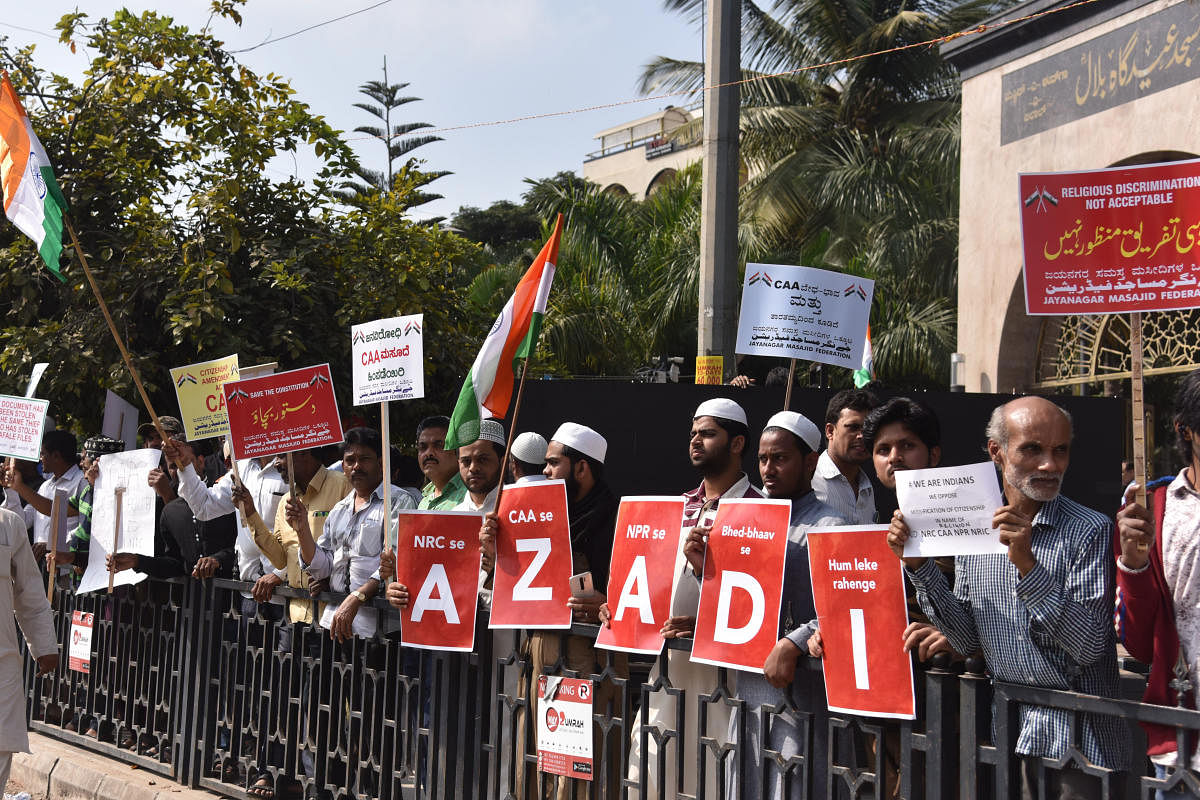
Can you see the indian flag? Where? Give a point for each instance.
(866, 373)
(32, 199)
(489, 386)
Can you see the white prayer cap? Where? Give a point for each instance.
(798, 424)
(583, 439)
(529, 447)
(492, 431)
(721, 407)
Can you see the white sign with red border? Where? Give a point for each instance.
(79, 652)
(565, 727)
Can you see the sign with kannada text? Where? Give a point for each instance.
(565, 726)
(201, 402)
(737, 622)
(806, 313)
(79, 651)
(281, 413)
(641, 573)
(1112, 241)
(387, 360)
(949, 510)
(858, 589)
(437, 558)
(21, 422)
(532, 582)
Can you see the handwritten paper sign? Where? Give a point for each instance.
(532, 580)
(387, 360)
(858, 590)
(21, 423)
(802, 312)
(281, 413)
(201, 402)
(565, 727)
(438, 560)
(1112, 240)
(949, 510)
(129, 472)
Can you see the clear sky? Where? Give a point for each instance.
(469, 60)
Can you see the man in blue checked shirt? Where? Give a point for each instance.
(1042, 613)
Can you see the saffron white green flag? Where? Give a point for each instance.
(866, 373)
(488, 388)
(32, 199)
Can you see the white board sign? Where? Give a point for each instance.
(21, 423)
(804, 313)
(129, 471)
(949, 510)
(120, 419)
(388, 361)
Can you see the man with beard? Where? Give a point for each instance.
(1043, 612)
(445, 489)
(840, 481)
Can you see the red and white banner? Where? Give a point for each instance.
(1112, 240)
(282, 413)
(438, 559)
(737, 622)
(79, 651)
(564, 727)
(858, 586)
(532, 582)
(641, 573)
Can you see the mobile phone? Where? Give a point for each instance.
(581, 585)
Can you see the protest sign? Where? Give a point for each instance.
(949, 510)
(565, 726)
(79, 651)
(641, 573)
(127, 474)
(710, 370)
(531, 584)
(120, 419)
(858, 589)
(806, 313)
(21, 423)
(737, 622)
(1111, 240)
(201, 401)
(438, 559)
(387, 360)
(35, 377)
(281, 413)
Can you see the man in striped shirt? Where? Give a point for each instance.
(1042, 613)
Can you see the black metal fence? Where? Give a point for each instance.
(195, 681)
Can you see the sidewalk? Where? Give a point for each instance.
(61, 771)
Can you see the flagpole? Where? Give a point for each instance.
(512, 429)
(112, 327)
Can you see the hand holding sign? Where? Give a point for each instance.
(1016, 533)
(440, 564)
(533, 558)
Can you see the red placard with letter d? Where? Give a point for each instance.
(437, 558)
(533, 558)
(737, 622)
(858, 586)
(641, 573)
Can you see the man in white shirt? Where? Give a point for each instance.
(840, 480)
(60, 466)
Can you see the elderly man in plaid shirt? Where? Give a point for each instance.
(1042, 614)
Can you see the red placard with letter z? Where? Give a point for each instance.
(737, 622)
(532, 581)
(858, 586)
(438, 559)
(282, 413)
(642, 572)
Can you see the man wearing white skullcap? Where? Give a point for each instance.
(480, 467)
(787, 459)
(527, 458)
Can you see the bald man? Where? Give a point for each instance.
(1042, 612)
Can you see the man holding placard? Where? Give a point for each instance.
(62, 472)
(1041, 611)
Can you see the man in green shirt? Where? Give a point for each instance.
(445, 489)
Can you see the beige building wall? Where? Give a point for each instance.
(630, 169)
(997, 338)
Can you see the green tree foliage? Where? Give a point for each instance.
(164, 151)
(505, 229)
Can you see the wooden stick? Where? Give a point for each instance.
(1139, 412)
(237, 478)
(112, 327)
(787, 395)
(119, 498)
(291, 475)
(56, 522)
(512, 430)
(385, 432)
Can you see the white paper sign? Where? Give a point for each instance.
(805, 313)
(35, 377)
(387, 360)
(949, 510)
(21, 424)
(120, 419)
(129, 471)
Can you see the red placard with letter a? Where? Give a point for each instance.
(533, 558)
(437, 558)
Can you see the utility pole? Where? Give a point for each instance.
(717, 324)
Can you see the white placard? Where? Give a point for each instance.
(805, 313)
(129, 470)
(35, 377)
(21, 423)
(388, 361)
(120, 419)
(564, 727)
(949, 510)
